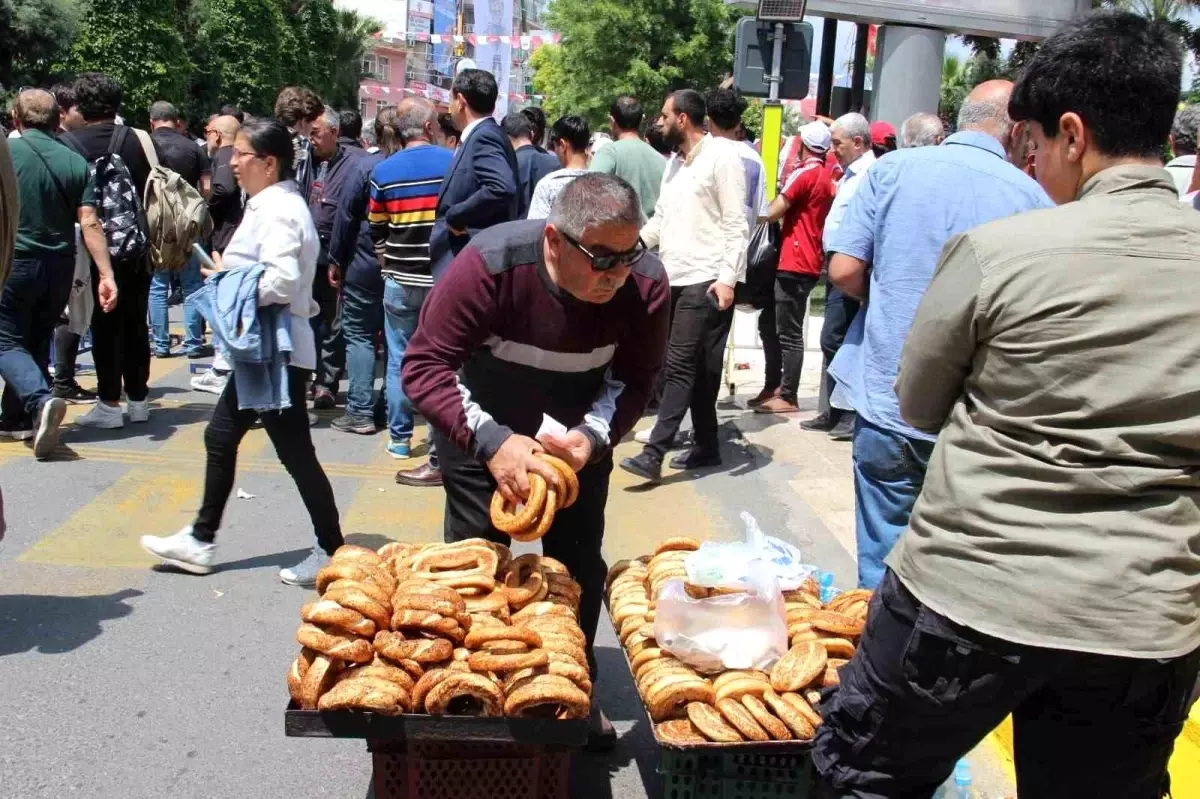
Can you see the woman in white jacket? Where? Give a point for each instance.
(276, 231)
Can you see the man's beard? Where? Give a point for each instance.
(672, 137)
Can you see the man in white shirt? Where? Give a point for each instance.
(700, 229)
(852, 146)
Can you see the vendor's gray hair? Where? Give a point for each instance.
(332, 119)
(592, 200)
(854, 126)
(922, 130)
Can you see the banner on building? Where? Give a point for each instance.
(442, 52)
(493, 20)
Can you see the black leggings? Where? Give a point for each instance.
(290, 434)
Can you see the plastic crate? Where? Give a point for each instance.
(735, 775)
(470, 770)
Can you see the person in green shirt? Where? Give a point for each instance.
(55, 192)
(628, 156)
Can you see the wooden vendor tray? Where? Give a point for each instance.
(747, 747)
(299, 723)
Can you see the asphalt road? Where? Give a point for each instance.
(125, 681)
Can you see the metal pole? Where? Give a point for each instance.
(776, 77)
(825, 71)
(857, 87)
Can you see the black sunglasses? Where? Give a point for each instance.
(607, 261)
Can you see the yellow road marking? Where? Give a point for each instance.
(382, 508)
(158, 496)
(638, 517)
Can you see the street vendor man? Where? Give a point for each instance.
(561, 320)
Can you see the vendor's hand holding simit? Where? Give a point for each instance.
(574, 447)
(514, 462)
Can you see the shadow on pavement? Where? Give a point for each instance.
(164, 423)
(53, 625)
(275, 559)
(738, 458)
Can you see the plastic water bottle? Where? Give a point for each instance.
(959, 785)
(828, 592)
(962, 780)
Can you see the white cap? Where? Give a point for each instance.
(816, 137)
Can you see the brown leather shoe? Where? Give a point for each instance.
(762, 397)
(420, 477)
(777, 405)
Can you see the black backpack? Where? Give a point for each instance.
(118, 204)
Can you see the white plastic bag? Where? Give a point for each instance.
(728, 564)
(732, 631)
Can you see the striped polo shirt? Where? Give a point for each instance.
(401, 210)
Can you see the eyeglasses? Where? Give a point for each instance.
(603, 262)
(245, 154)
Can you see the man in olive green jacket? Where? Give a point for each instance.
(1051, 568)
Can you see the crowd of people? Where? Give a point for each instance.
(1017, 380)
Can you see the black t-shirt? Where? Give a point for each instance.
(94, 141)
(180, 154)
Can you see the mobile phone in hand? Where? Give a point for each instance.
(205, 259)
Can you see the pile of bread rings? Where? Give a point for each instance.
(735, 706)
(443, 629)
(532, 519)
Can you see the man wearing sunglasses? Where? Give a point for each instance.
(563, 318)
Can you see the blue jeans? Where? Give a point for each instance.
(401, 307)
(889, 471)
(30, 306)
(362, 319)
(160, 290)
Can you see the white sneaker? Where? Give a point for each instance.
(643, 436)
(49, 421)
(138, 411)
(210, 382)
(304, 573)
(105, 417)
(182, 550)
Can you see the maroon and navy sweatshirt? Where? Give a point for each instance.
(499, 344)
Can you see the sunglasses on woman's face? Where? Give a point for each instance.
(604, 261)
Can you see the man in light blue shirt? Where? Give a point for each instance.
(909, 204)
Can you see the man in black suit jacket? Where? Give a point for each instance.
(481, 187)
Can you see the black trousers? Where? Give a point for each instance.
(840, 310)
(66, 351)
(575, 538)
(772, 353)
(121, 338)
(922, 691)
(327, 331)
(292, 438)
(791, 303)
(695, 353)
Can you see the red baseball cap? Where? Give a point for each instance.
(880, 131)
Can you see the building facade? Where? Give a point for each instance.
(424, 40)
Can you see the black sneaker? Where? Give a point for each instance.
(844, 430)
(203, 351)
(696, 458)
(17, 430)
(644, 466)
(822, 424)
(355, 424)
(75, 394)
